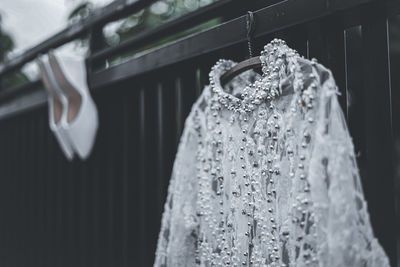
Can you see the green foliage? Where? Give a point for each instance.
(158, 13)
(151, 17)
(6, 43)
(14, 79)
(169, 39)
(80, 12)
(6, 46)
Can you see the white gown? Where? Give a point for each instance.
(266, 175)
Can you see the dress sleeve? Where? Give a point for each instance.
(344, 228)
(177, 239)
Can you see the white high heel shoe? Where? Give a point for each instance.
(82, 122)
(57, 108)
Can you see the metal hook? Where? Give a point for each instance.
(250, 25)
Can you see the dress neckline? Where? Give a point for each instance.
(278, 62)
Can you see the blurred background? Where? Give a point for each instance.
(147, 62)
(45, 18)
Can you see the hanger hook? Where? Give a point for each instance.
(250, 30)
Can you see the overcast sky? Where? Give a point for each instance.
(31, 21)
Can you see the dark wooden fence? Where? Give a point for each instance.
(106, 211)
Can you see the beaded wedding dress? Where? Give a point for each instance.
(266, 175)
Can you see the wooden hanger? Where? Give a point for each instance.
(252, 62)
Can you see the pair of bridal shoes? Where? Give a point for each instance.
(73, 114)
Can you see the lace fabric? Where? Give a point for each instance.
(265, 174)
